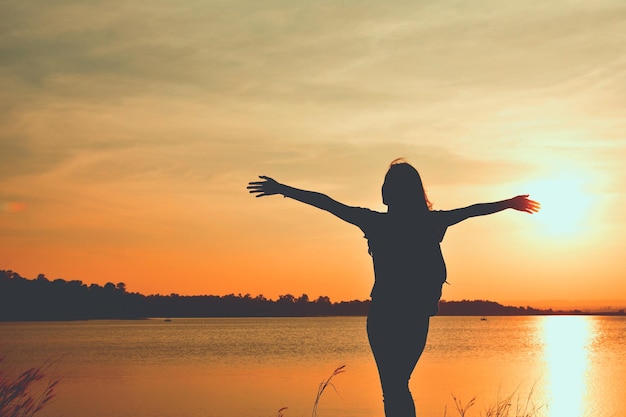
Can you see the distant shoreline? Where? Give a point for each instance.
(173, 319)
(40, 299)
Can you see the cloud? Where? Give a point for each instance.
(188, 91)
(251, 49)
(19, 157)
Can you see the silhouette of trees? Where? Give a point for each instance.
(41, 299)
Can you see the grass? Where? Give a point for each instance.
(509, 406)
(25, 394)
(320, 390)
(325, 384)
(502, 408)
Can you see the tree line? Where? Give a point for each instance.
(41, 299)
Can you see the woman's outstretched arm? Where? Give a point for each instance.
(269, 186)
(519, 203)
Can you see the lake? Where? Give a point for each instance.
(567, 366)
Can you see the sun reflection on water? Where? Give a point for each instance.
(567, 340)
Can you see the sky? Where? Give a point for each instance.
(129, 131)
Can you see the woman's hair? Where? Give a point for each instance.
(403, 187)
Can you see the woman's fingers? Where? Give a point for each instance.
(257, 186)
(532, 206)
(261, 188)
(523, 203)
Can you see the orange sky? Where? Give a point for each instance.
(128, 135)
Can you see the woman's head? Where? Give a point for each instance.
(403, 187)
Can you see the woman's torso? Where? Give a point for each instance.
(409, 267)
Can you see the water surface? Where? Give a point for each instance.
(568, 366)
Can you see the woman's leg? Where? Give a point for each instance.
(397, 343)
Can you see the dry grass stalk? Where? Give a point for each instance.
(325, 384)
(502, 407)
(24, 396)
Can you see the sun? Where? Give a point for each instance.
(564, 204)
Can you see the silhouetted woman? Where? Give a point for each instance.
(408, 266)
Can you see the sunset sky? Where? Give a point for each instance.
(129, 131)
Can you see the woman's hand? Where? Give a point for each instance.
(523, 203)
(266, 187)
